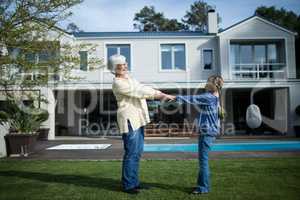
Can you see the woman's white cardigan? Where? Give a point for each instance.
(131, 97)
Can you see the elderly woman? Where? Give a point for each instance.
(132, 116)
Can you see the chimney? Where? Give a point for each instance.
(212, 21)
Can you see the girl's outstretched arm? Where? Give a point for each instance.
(193, 99)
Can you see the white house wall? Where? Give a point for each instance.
(3, 132)
(145, 59)
(294, 102)
(50, 106)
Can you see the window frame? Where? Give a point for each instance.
(173, 59)
(87, 60)
(212, 61)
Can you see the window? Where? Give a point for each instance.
(45, 56)
(166, 56)
(257, 59)
(246, 54)
(47, 53)
(83, 60)
(121, 49)
(207, 59)
(31, 57)
(234, 56)
(272, 53)
(42, 57)
(259, 53)
(172, 56)
(13, 52)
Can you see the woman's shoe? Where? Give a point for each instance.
(198, 192)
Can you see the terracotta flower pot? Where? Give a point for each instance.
(20, 144)
(43, 134)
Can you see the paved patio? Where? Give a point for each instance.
(115, 151)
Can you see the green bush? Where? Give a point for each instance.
(23, 119)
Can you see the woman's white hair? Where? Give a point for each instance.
(115, 60)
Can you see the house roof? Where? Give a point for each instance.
(263, 19)
(141, 34)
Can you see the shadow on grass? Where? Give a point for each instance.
(85, 181)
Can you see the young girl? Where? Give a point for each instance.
(208, 126)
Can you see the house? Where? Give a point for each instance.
(256, 57)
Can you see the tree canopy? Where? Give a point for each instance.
(31, 51)
(281, 16)
(147, 19)
(73, 28)
(195, 19)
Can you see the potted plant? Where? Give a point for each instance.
(43, 134)
(24, 122)
(297, 127)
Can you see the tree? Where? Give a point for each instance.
(285, 18)
(30, 56)
(196, 18)
(147, 19)
(73, 28)
(172, 25)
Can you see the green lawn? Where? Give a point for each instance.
(262, 178)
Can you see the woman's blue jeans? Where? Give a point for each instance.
(133, 147)
(204, 146)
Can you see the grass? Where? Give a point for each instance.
(261, 178)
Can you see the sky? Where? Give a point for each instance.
(117, 15)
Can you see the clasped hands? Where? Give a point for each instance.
(167, 97)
